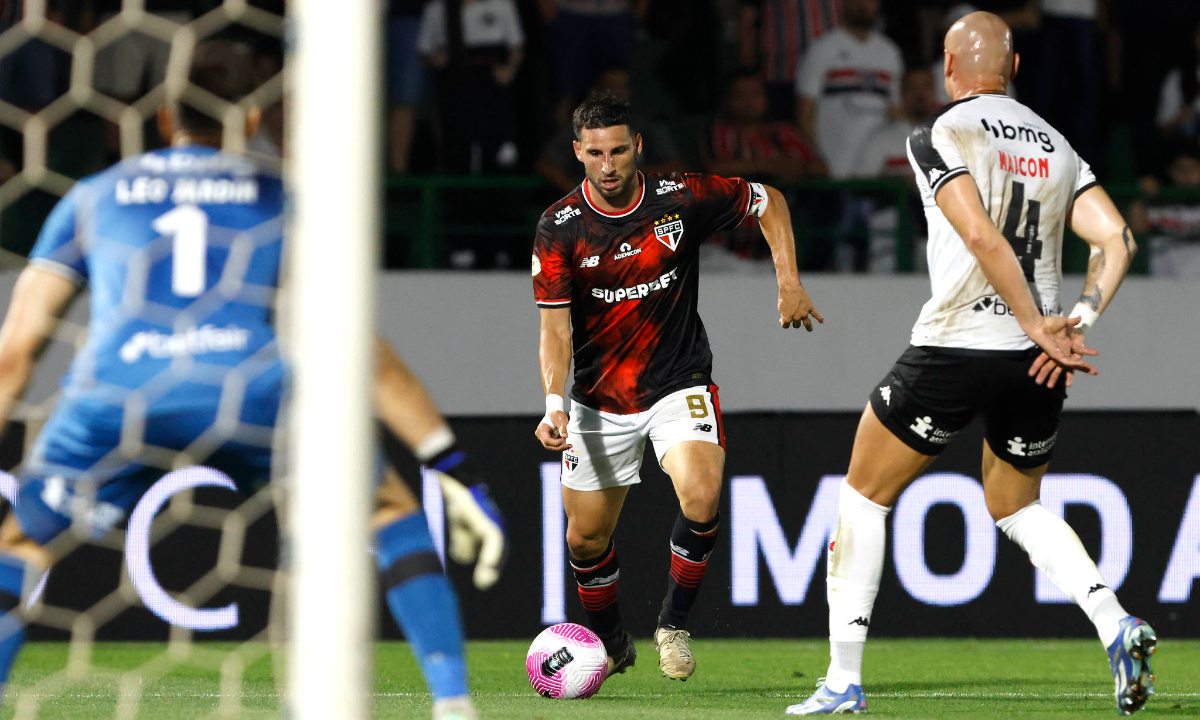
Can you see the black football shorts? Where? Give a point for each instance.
(932, 393)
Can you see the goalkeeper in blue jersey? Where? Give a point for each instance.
(181, 248)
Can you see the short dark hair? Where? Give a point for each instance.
(223, 68)
(601, 111)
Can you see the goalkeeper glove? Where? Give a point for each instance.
(475, 525)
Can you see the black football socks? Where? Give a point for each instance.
(597, 579)
(691, 544)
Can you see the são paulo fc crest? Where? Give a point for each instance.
(669, 229)
(571, 461)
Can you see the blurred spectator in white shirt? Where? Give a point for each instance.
(848, 83)
(476, 46)
(885, 155)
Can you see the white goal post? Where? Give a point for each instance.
(333, 167)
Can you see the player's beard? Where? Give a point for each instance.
(617, 193)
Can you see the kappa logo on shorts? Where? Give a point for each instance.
(702, 427)
(885, 392)
(1026, 449)
(669, 229)
(571, 460)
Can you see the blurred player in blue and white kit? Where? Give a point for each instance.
(182, 250)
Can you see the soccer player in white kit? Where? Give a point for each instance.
(999, 185)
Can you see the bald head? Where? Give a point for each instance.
(979, 55)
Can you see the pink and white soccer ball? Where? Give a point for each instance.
(566, 661)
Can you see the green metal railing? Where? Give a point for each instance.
(417, 213)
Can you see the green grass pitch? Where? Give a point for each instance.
(735, 679)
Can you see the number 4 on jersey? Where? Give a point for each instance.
(189, 255)
(1027, 246)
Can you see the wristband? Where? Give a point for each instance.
(554, 403)
(1087, 315)
(434, 444)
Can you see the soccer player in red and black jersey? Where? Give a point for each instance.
(615, 273)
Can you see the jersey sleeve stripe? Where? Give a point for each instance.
(1085, 188)
(948, 176)
(552, 303)
(59, 269)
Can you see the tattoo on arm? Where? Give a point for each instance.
(1093, 299)
(1092, 294)
(1130, 244)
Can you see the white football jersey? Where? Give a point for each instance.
(1028, 177)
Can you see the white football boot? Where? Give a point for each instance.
(675, 653)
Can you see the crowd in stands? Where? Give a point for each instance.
(785, 91)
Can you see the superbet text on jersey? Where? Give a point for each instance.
(1028, 178)
(631, 281)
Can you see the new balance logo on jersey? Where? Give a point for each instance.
(860, 621)
(1094, 588)
(885, 392)
(669, 229)
(1022, 133)
(635, 292)
(627, 250)
(668, 186)
(590, 261)
(1026, 449)
(565, 214)
(702, 427)
(571, 461)
(196, 341)
(934, 174)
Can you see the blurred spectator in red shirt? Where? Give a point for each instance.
(744, 143)
(773, 36)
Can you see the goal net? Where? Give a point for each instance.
(193, 574)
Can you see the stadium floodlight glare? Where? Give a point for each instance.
(333, 156)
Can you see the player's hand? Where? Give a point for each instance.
(552, 431)
(796, 307)
(476, 529)
(1057, 338)
(1046, 371)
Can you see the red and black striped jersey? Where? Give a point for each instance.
(631, 281)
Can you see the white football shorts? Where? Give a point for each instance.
(606, 448)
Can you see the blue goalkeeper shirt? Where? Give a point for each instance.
(181, 249)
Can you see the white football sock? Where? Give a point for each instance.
(852, 582)
(845, 665)
(1054, 548)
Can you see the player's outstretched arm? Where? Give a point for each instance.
(959, 201)
(554, 357)
(795, 306)
(38, 302)
(1096, 219)
(476, 527)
